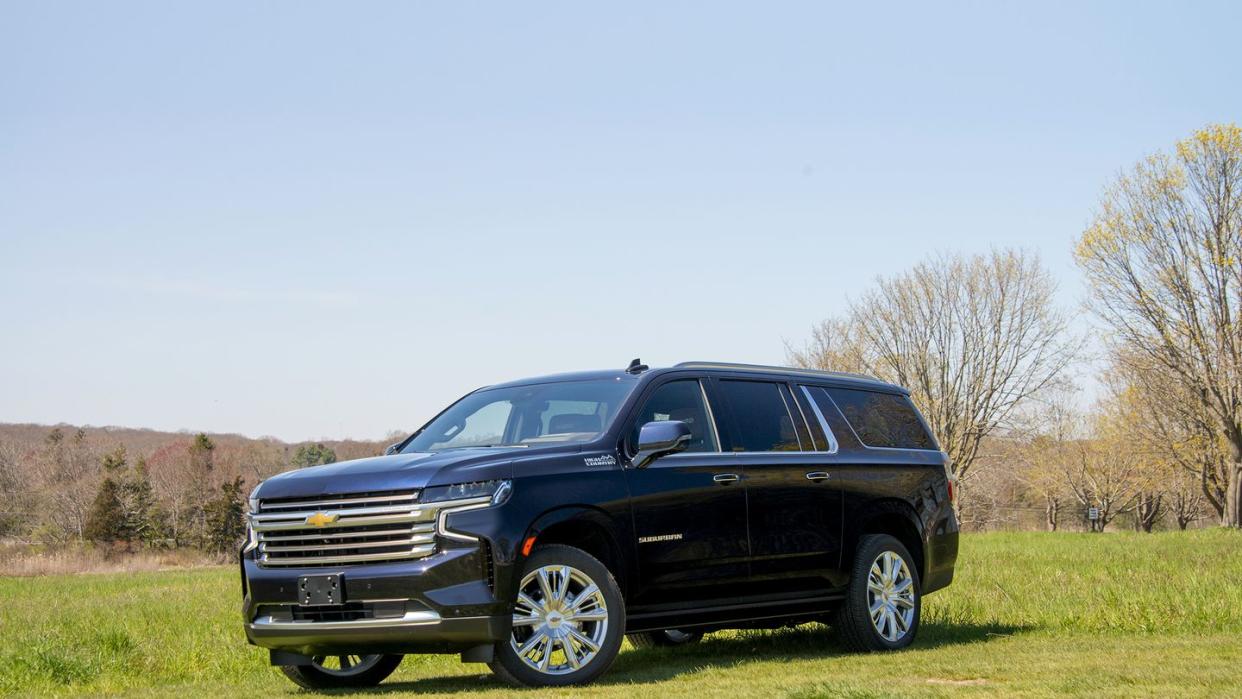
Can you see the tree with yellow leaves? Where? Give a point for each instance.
(1163, 256)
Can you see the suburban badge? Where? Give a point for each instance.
(659, 537)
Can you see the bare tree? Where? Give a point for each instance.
(1050, 426)
(1100, 475)
(1164, 260)
(1149, 508)
(1186, 499)
(67, 468)
(13, 490)
(971, 337)
(1176, 428)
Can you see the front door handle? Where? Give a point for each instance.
(726, 478)
(817, 476)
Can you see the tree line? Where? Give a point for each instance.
(140, 489)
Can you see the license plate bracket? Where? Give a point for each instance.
(321, 590)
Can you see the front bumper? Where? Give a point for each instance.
(443, 603)
(414, 632)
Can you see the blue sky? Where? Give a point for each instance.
(330, 219)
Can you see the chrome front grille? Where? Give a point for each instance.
(341, 530)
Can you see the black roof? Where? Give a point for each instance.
(835, 377)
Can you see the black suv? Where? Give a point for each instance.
(532, 524)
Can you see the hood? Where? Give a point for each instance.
(393, 472)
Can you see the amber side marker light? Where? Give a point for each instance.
(528, 545)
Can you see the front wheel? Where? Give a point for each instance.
(342, 671)
(881, 608)
(568, 619)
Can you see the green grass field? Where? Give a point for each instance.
(1029, 615)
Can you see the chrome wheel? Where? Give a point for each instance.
(890, 596)
(344, 665)
(559, 621)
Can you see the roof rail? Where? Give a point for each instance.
(781, 369)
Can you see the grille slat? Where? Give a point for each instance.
(336, 503)
(416, 552)
(267, 547)
(283, 536)
(291, 524)
(344, 515)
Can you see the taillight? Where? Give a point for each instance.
(950, 480)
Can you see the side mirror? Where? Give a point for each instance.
(661, 438)
(392, 449)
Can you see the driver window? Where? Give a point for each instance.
(679, 400)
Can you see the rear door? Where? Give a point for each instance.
(794, 507)
(887, 450)
(689, 509)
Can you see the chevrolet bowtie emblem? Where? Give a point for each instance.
(321, 519)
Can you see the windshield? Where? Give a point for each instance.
(525, 416)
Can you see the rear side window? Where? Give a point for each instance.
(762, 416)
(881, 419)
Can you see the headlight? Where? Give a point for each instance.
(498, 491)
(254, 501)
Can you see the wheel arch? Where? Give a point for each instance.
(585, 528)
(897, 519)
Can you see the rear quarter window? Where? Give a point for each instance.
(882, 419)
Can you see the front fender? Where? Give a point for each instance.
(591, 529)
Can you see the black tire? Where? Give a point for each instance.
(853, 621)
(510, 667)
(312, 677)
(665, 638)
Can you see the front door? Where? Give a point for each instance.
(689, 509)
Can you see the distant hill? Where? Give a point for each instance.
(52, 475)
(141, 442)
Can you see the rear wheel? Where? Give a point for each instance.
(568, 618)
(881, 608)
(342, 671)
(667, 637)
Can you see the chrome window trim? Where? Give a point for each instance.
(732, 454)
(789, 412)
(711, 417)
(833, 446)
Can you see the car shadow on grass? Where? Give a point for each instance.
(807, 642)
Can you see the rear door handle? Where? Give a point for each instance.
(725, 477)
(817, 476)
